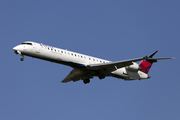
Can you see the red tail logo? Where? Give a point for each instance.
(145, 66)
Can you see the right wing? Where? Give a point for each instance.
(119, 64)
(109, 67)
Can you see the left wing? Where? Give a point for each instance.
(74, 75)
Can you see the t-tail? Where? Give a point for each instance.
(147, 63)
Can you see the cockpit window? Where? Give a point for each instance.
(29, 43)
(26, 43)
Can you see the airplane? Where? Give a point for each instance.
(86, 67)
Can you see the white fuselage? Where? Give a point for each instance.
(73, 59)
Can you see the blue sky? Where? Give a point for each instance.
(113, 30)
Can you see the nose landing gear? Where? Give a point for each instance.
(18, 52)
(22, 59)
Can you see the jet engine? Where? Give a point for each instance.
(134, 67)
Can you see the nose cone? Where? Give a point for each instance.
(18, 48)
(15, 48)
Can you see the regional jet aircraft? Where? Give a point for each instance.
(86, 67)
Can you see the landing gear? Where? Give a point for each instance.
(18, 52)
(102, 76)
(86, 81)
(22, 59)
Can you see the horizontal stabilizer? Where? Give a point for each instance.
(159, 58)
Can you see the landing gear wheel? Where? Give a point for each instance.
(101, 76)
(86, 81)
(22, 59)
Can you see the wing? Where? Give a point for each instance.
(114, 65)
(74, 75)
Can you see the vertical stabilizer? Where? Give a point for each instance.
(146, 64)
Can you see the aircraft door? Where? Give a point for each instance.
(37, 48)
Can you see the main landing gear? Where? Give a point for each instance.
(102, 77)
(86, 81)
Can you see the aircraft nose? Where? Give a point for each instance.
(15, 48)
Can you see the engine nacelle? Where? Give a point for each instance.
(134, 67)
